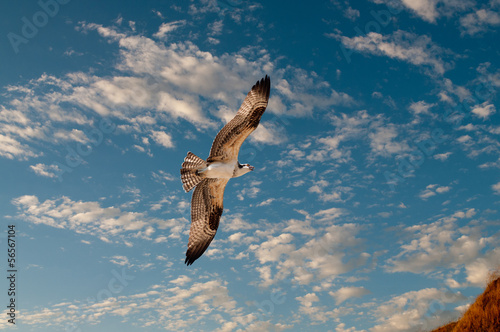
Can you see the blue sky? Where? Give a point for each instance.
(373, 205)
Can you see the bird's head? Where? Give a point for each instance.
(243, 169)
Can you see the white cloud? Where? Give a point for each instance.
(426, 194)
(441, 244)
(272, 249)
(269, 133)
(235, 222)
(329, 215)
(479, 21)
(430, 10)
(315, 313)
(351, 13)
(120, 260)
(166, 28)
(301, 227)
(50, 171)
(266, 202)
(346, 293)
(91, 218)
(181, 280)
(385, 142)
(322, 257)
(420, 107)
(444, 189)
(480, 270)
(496, 188)
(305, 93)
(406, 46)
(484, 110)
(423, 8)
(411, 311)
(250, 191)
(236, 237)
(154, 83)
(442, 156)
(464, 139)
(11, 148)
(162, 139)
(209, 299)
(384, 137)
(335, 194)
(432, 190)
(308, 299)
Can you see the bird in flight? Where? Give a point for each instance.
(211, 176)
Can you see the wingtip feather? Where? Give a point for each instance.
(263, 86)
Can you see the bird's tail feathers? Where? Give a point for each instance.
(189, 171)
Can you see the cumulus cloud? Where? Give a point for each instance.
(209, 299)
(442, 156)
(320, 258)
(484, 110)
(445, 245)
(384, 137)
(410, 311)
(346, 293)
(384, 141)
(420, 107)
(480, 270)
(270, 133)
(316, 313)
(162, 138)
(432, 190)
(90, 218)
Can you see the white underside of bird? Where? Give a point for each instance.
(224, 170)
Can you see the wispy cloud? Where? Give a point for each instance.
(167, 27)
(419, 50)
(154, 83)
(430, 10)
(50, 171)
(496, 188)
(479, 21)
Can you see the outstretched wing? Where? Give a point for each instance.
(228, 141)
(206, 209)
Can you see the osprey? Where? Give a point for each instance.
(211, 176)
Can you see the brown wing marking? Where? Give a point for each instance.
(206, 210)
(228, 141)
